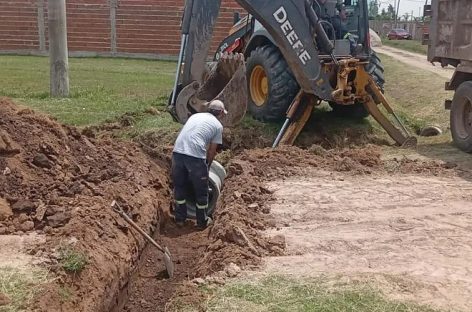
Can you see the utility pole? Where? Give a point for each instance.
(58, 52)
(396, 15)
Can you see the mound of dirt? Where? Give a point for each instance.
(58, 182)
(243, 212)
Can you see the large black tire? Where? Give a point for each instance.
(376, 69)
(271, 103)
(357, 110)
(461, 117)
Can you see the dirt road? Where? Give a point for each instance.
(410, 235)
(416, 60)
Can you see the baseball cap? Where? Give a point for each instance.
(217, 105)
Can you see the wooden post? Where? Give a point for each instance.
(41, 27)
(113, 6)
(394, 14)
(58, 52)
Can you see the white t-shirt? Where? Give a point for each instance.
(199, 131)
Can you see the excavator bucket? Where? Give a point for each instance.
(225, 80)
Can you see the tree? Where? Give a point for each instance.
(373, 9)
(387, 15)
(391, 11)
(383, 15)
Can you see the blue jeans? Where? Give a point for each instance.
(190, 178)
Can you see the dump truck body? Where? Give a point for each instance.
(450, 32)
(450, 43)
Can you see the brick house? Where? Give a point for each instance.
(140, 28)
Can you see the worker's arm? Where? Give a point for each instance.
(217, 140)
(211, 153)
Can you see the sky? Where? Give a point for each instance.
(406, 6)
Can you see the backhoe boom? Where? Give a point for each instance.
(300, 38)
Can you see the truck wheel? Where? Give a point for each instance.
(357, 110)
(461, 117)
(271, 84)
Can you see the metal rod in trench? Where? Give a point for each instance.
(183, 44)
(281, 133)
(186, 19)
(169, 264)
(290, 116)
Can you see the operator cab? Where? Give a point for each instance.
(344, 24)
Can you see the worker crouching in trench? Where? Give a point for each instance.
(194, 151)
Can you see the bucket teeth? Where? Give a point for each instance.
(228, 63)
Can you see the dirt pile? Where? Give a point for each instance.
(243, 212)
(240, 218)
(58, 182)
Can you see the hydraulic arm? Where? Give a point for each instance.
(299, 36)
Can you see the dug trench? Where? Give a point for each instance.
(238, 239)
(59, 182)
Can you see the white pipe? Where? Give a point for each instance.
(216, 178)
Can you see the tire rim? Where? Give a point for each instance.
(259, 85)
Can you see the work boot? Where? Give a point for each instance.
(202, 226)
(180, 213)
(201, 218)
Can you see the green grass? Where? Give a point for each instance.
(417, 95)
(101, 88)
(143, 122)
(408, 45)
(20, 287)
(280, 294)
(71, 260)
(104, 89)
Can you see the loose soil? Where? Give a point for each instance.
(15, 249)
(244, 233)
(407, 234)
(235, 237)
(59, 184)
